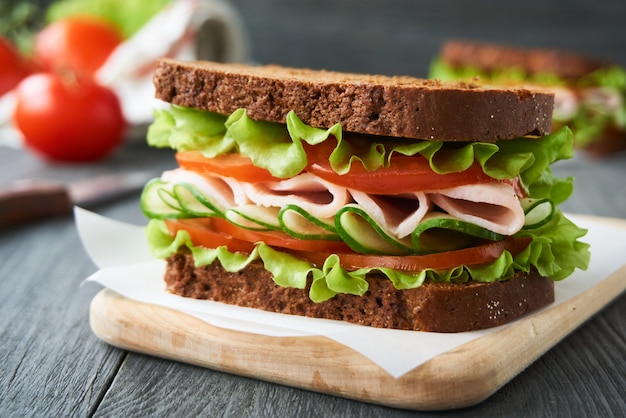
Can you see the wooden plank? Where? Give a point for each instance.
(50, 364)
(461, 377)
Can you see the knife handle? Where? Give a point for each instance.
(31, 200)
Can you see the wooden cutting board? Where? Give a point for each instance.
(460, 377)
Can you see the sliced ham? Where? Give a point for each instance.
(224, 192)
(318, 197)
(493, 206)
(398, 215)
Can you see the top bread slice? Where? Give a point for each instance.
(400, 106)
(492, 57)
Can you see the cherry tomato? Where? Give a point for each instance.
(13, 67)
(68, 119)
(79, 43)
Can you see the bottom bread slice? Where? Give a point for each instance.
(434, 307)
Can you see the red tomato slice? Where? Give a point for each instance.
(214, 232)
(201, 233)
(481, 254)
(223, 228)
(404, 174)
(228, 165)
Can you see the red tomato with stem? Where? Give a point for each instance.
(68, 118)
(78, 43)
(13, 67)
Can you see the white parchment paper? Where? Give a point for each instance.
(126, 266)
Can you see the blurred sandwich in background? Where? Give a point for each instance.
(589, 93)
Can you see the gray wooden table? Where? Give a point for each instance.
(52, 365)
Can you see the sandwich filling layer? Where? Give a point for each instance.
(323, 209)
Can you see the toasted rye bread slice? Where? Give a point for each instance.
(491, 57)
(398, 106)
(434, 307)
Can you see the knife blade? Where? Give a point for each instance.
(31, 200)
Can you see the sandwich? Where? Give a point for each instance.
(390, 202)
(590, 94)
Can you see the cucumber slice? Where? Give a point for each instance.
(193, 203)
(158, 202)
(537, 212)
(168, 197)
(161, 200)
(363, 235)
(439, 232)
(257, 218)
(299, 223)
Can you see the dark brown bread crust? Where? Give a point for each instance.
(436, 307)
(490, 57)
(378, 105)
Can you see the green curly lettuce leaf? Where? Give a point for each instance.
(443, 71)
(272, 145)
(593, 118)
(555, 250)
(613, 77)
(186, 129)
